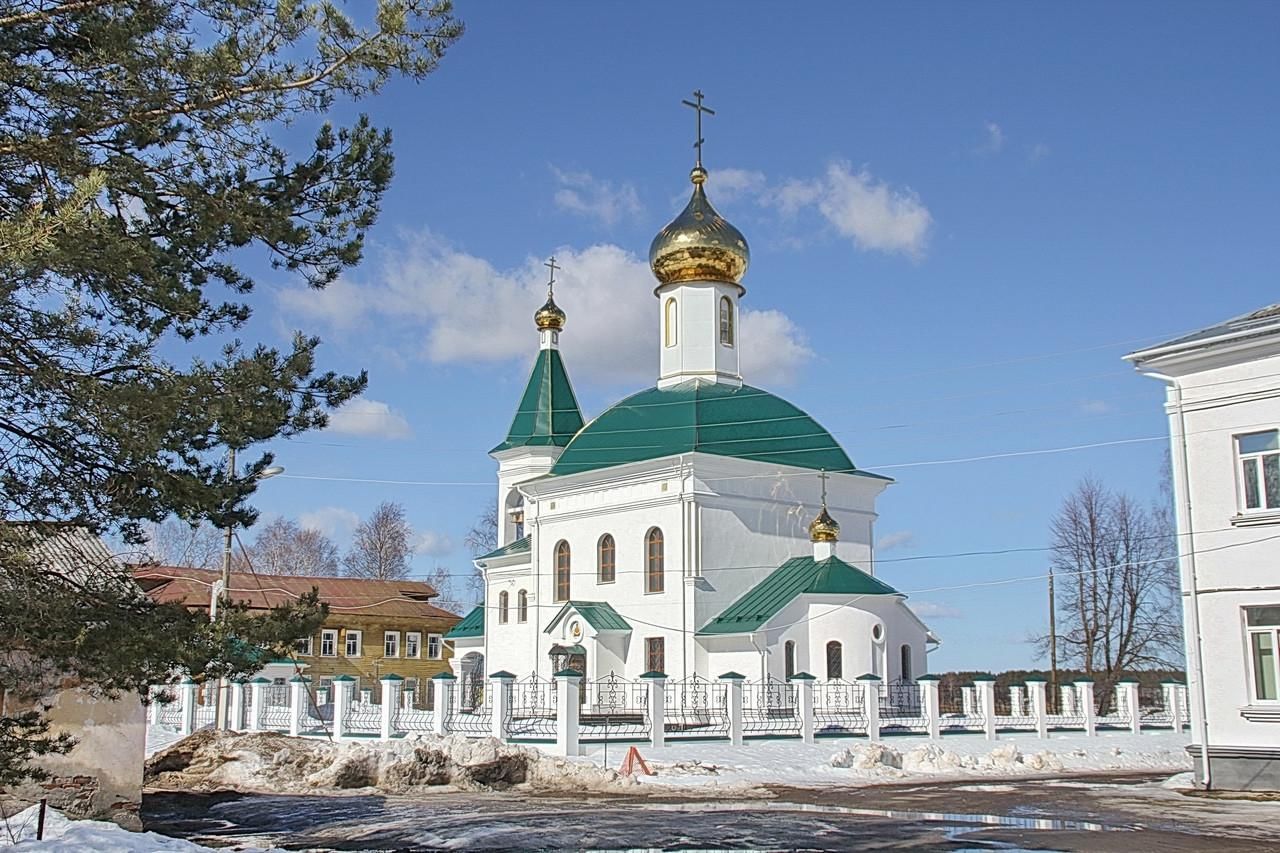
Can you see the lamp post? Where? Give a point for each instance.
(223, 596)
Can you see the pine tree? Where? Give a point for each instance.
(141, 168)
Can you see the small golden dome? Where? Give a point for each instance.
(699, 245)
(549, 316)
(824, 528)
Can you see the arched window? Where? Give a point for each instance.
(653, 561)
(726, 321)
(522, 606)
(606, 560)
(515, 516)
(502, 608)
(906, 674)
(669, 322)
(562, 571)
(789, 657)
(835, 661)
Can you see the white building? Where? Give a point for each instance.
(685, 529)
(1224, 417)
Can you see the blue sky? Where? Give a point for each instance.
(961, 216)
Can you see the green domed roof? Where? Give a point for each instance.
(704, 417)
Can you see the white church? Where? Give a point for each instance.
(697, 527)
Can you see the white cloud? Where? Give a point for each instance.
(794, 195)
(333, 521)
(731, 184)
(929, 610)
(871, 213)
(432, 543)
(1038, 152)
(436, 297)
(994, 142)
(373, 418)
(605, 201)
(898, 539)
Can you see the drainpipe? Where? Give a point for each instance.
(764, 666)
(1193, 612)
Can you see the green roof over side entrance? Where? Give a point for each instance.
(472, 625)
(598, 614)
(704, 417)
(548, 413)
(519, 546)
(796, 576)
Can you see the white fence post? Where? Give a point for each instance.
(235, 719)
(986, 690)
(500, 703)
(1017, 700)
(391, 685)
(1174, 703)
(804, 689)
(257, 699)
(871, 704)
(343, 688)
(657, 682)
(929, 704)
(567, 712)
(1039, 709)
(442, 683)
(297, 700)
(153, 707)
(187, 690)
(733, 687)
(1066, 699)
(1128, 687)
(968, 700)
(1084, 695)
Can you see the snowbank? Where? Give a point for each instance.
(62, 835)
(266, 761)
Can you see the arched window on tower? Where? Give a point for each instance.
(726, 321)
(522, 606)
(669, 322)
(654, 581)
(502, 608)
(515, 516)
(606, 560)
(835, 661)
(562, 571)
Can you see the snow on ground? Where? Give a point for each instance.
(160, 737)
(63, 835)
(858, 762)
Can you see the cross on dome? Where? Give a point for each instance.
(699, 109)
(550, 317)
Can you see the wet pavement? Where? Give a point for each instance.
(1099, 814)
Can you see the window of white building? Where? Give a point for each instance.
(391, 644)
(1263, 624)
(1259, 454)
(413, 645)
(355, 643)
(329, 643)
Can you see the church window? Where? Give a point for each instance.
(1259, 454)
(522, 606)
(726, 321)
(562, 571)
(669, 323)
(906, 673)
(502, 608)
(1264, 646)
(655, 656)
(654, 581)
(789, 657)
(835, 661)
(515, 515)
(606, 569)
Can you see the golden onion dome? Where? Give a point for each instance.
(824, 528)
(549, 316)
(699, 245)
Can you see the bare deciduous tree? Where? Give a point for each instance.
(285, 547)
(481, 539)
(381, 545)
(174, 542)
(440, 578)
(1115, 562)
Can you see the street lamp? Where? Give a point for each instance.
(223, 596)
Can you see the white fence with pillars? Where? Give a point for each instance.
(568, 711)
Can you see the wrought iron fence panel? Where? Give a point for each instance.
(533, 708)
(364, 718)
(613, 708)
(696, 707)
(205, 715)
(275, 694)
(770, 707)
(1070, 715)
(414, 721)
(169, 713)
(1014, 713)
(956, 712)
(838, 708)
(465, 718)
(901, 709)
(1151, 705)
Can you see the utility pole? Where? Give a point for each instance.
(218, 606)
(1053, 647)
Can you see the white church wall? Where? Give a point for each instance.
(510, 645)
(696, 348)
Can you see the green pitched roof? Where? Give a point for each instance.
(599, 615)
(472, 625)
(796, 576)
(519, 546)
(704, 417)
(548, 413)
